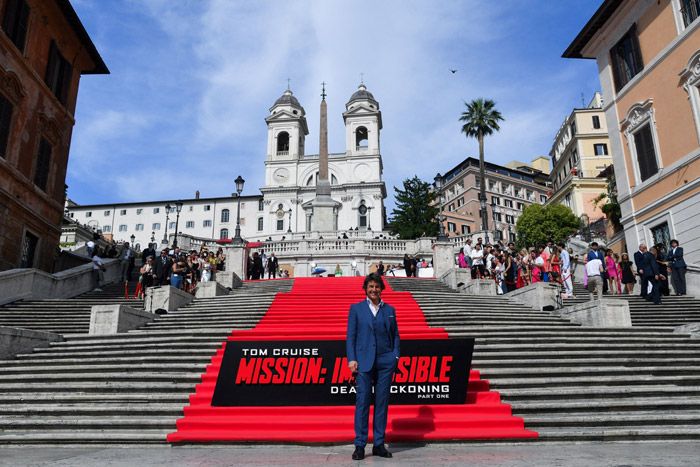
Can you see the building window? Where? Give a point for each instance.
(567, 200)
(156, 210)
(261, 205)
(260, 224)
(508, 203)
(139, 227)
(496, 200)
(223, 235)
(466, 230)
(497, 216)
(88, 214)
(596, 122)
(361, 138)
(107, 213)
(451, 227)
(283, 144)
(662, 235)
(139, 211)
(498, 234)
(14, 23)
(106, 228)
(520, 206)
(460, 202)
(690, 78)
(225, 215)
(28, 250)
(189, 225)
(362, 212)
(191, 208)
(646, 155)
(543, 199)
(572, 126)
(58, 74)
(207, 207)
(600, 149)
(6, 109)
(451, 207)
(510, 219)
(122, 228)
(43, 164)
(155, 226)
(122, 212)
(626, 58)
(206, 223)
(280, 224)
(690, 9)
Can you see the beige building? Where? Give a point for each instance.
(581, 151)
(508, 192)
(648, 56)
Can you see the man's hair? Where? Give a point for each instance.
(561, 244)
(674, 241)
(594, 244)
(373, 278)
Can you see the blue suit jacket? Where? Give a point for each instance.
(651, 267)
(676, 258)
(360, 344)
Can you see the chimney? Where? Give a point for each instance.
(196, 194)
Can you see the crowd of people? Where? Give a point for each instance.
(260, 265)
(605, 272)
(175, 267)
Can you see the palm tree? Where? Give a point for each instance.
(481, 119)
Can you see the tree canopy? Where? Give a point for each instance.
(481, 118)
(416, 211)
(538, 224)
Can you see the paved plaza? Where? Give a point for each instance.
(532, 454)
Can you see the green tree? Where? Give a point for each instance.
(416, 211)
(538, 224)
(611, 207)
(481, 119)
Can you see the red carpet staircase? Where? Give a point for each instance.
(316, 309)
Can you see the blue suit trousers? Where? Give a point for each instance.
(380, 377)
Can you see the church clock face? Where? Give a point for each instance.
(363, 209)
(281, 175)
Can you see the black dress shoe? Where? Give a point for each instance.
(359, 453)
(380, 451)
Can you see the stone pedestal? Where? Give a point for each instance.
(236, 260)
(210, 289)
(166, 298)
(693, 329)
(15, 341)
(485, 287)
(115, 319)
(226, 279)
(456, 276)
(605, 313)
(443, 258)
(540, 296)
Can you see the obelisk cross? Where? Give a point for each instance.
(323, 90)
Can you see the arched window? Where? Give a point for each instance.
(225, 215)
(283, 144)
(314, 177)
(361, 138)
(224, 234)
(362, 215)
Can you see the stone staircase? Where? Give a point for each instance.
(64, 316)
(121, 389)
(673, 311)
(571, 383)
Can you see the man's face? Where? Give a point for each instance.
(480, 240)
(164, 253)
(374, 291)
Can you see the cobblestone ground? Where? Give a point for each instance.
(584, 454)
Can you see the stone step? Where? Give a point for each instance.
(506, 383)
(103, 386)
(600, 394)
(55, 370)
(641, 433)
(612, 360)
(13, 424)
(94, 408)
(81, 438)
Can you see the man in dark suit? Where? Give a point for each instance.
(639, 264)
(161, 268)
(652, 275)
(678, 268)
(272, 266)
(373, 350)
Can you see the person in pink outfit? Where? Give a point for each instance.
(613, 275)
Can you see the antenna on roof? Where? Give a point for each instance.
(583, 100)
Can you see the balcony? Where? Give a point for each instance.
(282, 153)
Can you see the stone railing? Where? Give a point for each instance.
(373, 247)
(33, 284)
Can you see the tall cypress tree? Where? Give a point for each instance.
(416, 210)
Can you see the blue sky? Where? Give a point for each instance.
(192, 81)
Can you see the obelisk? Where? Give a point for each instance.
(323, 217)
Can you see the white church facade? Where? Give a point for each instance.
(284, 207)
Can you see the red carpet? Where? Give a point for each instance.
(316, 309)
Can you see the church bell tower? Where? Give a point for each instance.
(286, 129)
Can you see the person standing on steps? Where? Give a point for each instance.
(639, 264)
(678, 268)
(125, 258)
(373, 349)
(653, 275)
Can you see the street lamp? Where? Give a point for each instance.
(178, 208)
(369, 217)
(289, 227)
(153, 238)
(237, 240)
(133, 239)
(438, 186)
(167, 219)
(495, 209)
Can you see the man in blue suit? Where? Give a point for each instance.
(678, 267)
(639, 264)
(653, 275)
(372, 349)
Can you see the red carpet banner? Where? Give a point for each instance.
(278, 373)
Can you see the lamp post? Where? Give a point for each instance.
(369, 218)
(586, 227)
(289, 227)
(153, 237)
(133, 239)
(237, 240)
(178, 208)
(438, 186)
(495, 209)
(167, 219)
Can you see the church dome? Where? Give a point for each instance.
(362, 94)
(287, 99)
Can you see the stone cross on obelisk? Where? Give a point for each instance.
(323, 217)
